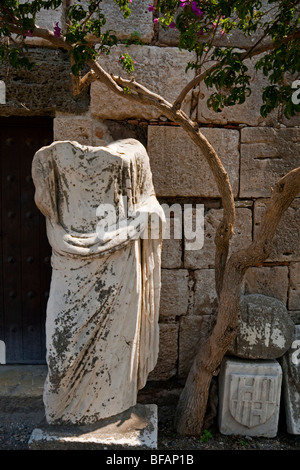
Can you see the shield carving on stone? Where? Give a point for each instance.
(252, 398)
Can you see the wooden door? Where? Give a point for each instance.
(25, 269)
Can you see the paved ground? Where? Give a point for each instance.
(19, 418)
(22, 409)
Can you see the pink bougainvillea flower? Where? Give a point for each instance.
(28, 33)
(183, 3)
(196, 10)
(172, 25)
(156, 20)
(151, 8)
(57, 31)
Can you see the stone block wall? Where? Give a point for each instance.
(256, 152)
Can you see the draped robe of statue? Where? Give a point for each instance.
(102, 312)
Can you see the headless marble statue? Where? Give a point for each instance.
(102, 313)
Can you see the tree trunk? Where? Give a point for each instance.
(193, 400)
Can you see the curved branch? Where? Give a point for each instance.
(193, 399)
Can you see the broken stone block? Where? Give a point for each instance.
(135, 428)
(265, 329)
(291, 384)
(249, 397)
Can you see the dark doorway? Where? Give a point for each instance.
(25, 269)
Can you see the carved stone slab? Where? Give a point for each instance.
(291, 384)
(249, 397)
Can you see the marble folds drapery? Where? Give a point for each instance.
(102, 314)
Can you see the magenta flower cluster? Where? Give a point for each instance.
(57, 31)
(195, 9)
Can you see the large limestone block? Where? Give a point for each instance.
(166, 366)
(286, 246)
(249, 397)
(179, 168)
(205, 258)
(162, 70)
(294, 290)
(139, 23)
(291, 384)
(174, 299)
(265, 329)
(272, 281)
(205, 299)
(193, 329)
(171, 256)
(267, 154)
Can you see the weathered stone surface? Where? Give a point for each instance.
(291, 384)
(166, 366)
(192, 330)
(22, 381)
(81, 129)
(76, 128)
(174, 298)
(2, 353)
(205, 258)
(98, 361)
(205, 299)
(267, 154)
(135, 428)
(286, 246)
(171, 256)
(249, 397)
(162, 70)
(294, 290)
(246, 113)
(295, 316)
(270, 281)
(179, 167)
(265, 329)
(140, 21)
(2, 92)
(36, 93)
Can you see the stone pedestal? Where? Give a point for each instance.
(135, 428)
(291, 384)
(249, 397)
